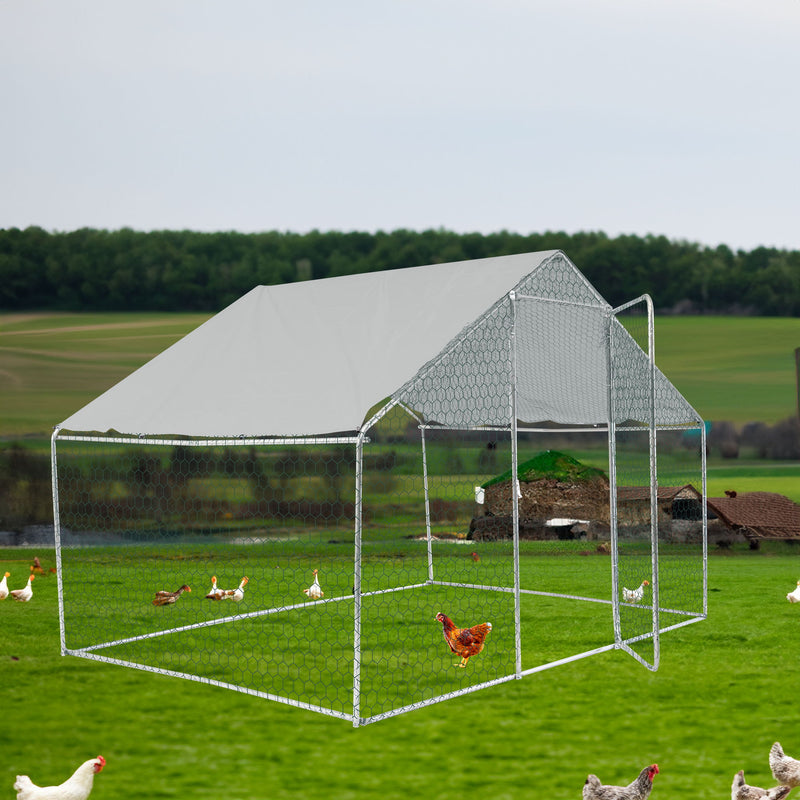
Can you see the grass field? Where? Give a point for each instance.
(725, 691)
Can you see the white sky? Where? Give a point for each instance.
(674, 117)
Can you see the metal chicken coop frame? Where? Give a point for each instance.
(387, 512)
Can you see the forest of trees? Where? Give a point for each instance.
(100, 270)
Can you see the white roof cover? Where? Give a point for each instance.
(314, 357)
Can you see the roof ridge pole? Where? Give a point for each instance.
(357, 582)
(515, 489)
(57, 537)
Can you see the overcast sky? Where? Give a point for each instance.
(674, 117)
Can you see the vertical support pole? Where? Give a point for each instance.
(357, 582)
(704, 510)
(612, 481)
(653, 477)
(515, 485)
(427, 503)
(57, 534)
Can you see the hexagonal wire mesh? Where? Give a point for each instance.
(343, 549)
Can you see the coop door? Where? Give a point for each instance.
(633, 482)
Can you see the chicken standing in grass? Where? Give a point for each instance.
(4, 586)
(638, 790)
(464, 642)
(794, 597)
(315, 590)
(168, 598)
(634, 595)
(743, 791)
(785, 769)
(77, 787)
(24, 594)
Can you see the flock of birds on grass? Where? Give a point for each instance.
(165, 598)
(24, 594)
(785, 770)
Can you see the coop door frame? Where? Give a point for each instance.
(624, 641)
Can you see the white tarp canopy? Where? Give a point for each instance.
(313, 357)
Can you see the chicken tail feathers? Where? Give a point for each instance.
(24, 787)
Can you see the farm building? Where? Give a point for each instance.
(334, 431)
(758, 515)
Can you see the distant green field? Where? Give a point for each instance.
(740, 369)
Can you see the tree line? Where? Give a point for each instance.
(101, 270)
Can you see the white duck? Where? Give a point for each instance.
(315, 590)
(215, 593)
(25, 593)
(794, 597)
(4, 586)
(634, 595)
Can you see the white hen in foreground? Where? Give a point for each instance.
(785, 769)
(794, 597)
(4, 586)
(743, 791)
(78, 787)
(634, 595)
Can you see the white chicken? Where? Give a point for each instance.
(638, 789)
(77, 787)
(785, 769)
(25, 593)
(231, 594)
(4, 586)
(315, 590)
(794, 597)
(634, 595)
(743, 791)
(216, 592)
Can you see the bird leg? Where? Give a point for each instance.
(463, 662)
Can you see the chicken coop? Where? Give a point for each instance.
(290, 500)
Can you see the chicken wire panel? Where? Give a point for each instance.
(659, 523)
(419, 502)
(558, 279)
(137, 518)
(469, 383)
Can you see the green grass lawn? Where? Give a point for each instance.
(725, 691)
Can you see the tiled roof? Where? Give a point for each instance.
(758, 515)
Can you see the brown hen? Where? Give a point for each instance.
(464, 642)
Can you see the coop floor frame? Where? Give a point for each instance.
(621, 640)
